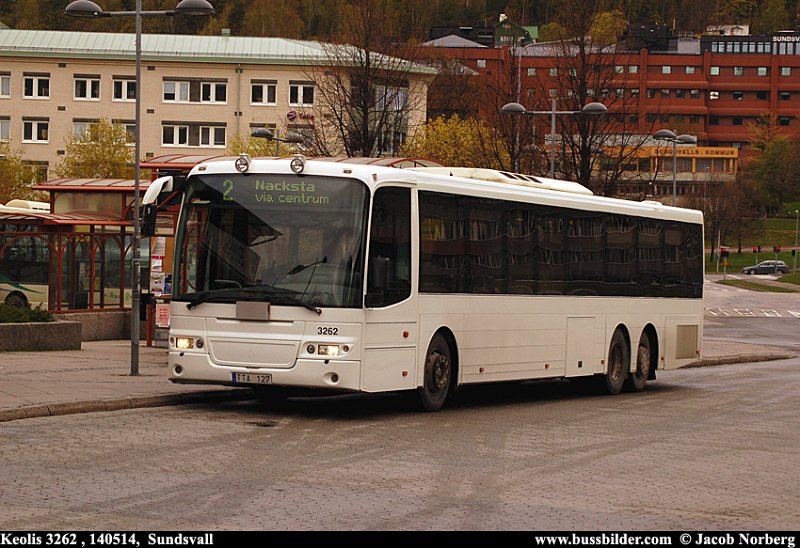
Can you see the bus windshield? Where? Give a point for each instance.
(289, 240)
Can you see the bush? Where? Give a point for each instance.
(23, 314)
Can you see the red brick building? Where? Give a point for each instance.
(714, 87)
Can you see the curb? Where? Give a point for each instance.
(741, 358)
(133, 402)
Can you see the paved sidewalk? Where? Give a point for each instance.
(97, 378)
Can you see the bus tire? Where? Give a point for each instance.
(637, 380)
(438, 375)
(15, 298)
(619, 363)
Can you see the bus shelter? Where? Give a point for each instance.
(75, 257)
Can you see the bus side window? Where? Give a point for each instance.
(390, 238)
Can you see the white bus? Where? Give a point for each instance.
(295, 273)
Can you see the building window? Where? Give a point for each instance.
(694, 93)
(213, 92)
(176, 92)
(633, 69)
(193, 135)
(620, 92)
(634, 92)
(762, 71)
(36, 87)
(130, 130)
(785, 95)
(553, 71)
(35, 131)
(619, 69)
(738, 71)
(174, 135)
(5, 129)
(263, 92)
(714, 71)
(532, 71)
(762, 95)
(651, 93)
(713, 120)
(737, 120)
(301, 94)
(694, 119)
(481, 63)
(553, 93)
(784, 120)
(664, 93)
(786, 71)
(690, 70)
(5, 85)
(713, 95)
(679, 93)
(738, 95)
(87, 88)
(391, 98)
(212, 136)
(79, 127)
(124, 89)
(666, 69)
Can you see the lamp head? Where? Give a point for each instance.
(665, 135)
(194, 7)
(594, 108)
(513, 108)
(262, 133)
(83, 8)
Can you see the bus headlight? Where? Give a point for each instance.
(184, 343)
(330, 350)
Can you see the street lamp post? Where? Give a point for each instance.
(590, 108)
(796, 251)
(87, 8)
(264, 133)
(684, 139)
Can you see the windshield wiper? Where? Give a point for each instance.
(299, 268)
(234, 292)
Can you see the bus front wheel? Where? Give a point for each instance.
(15, 298)
(618, 363)
(438, 374)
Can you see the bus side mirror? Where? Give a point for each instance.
(378, 280)
(149, 214)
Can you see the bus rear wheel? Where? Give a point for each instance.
(618, 363)
(638, 379)
(438, 376)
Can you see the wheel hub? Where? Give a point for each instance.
(440, 371)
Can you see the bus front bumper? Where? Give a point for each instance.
(198, 368)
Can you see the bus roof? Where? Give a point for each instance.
(468, 181)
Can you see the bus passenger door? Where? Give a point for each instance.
(390, 329)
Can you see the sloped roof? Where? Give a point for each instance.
(92, 185)
(452, 41)
(168, 47)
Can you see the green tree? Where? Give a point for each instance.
(771, 17)
(16, 177)
(776, 171)
(102, 151)
(458, 142)
(257, 146)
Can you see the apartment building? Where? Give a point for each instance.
(197, 92)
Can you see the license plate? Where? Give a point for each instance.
(252, 378)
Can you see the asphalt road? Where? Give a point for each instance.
(711, 448)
